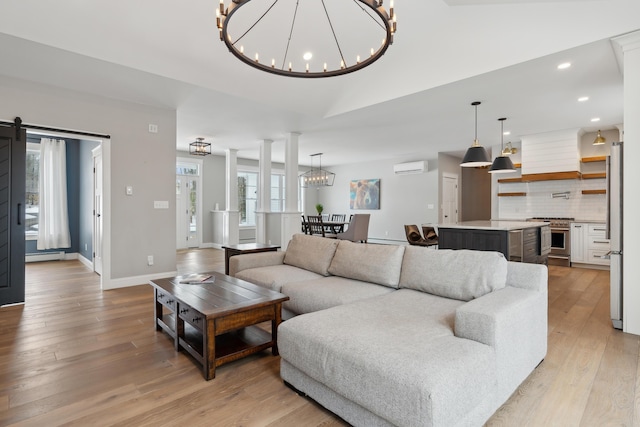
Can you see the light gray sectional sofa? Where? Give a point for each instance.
(386, 335)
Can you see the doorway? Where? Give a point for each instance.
(188, 203)
(85, 203)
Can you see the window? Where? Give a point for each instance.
(277, 193)
(248, 196)
(32, 210)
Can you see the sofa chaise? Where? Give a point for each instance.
(386, 335)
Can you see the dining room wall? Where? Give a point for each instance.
(404, 199)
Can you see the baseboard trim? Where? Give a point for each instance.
(124, 282)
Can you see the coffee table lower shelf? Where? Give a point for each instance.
(230, 346)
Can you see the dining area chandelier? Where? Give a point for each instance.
(317, 177)
(307, 38)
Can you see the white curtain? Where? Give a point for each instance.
(53, 224)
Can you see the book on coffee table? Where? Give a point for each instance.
(196, 279)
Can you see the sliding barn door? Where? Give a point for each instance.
(12, 216)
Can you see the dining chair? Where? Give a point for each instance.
(337, 218)
(316, 226)
(304, 225)
(358, 229)
(430, 234)
(414, 237)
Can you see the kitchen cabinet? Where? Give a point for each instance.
(530, 245)
(577, 242)
(589, 243)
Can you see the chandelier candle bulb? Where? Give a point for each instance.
(325, 67)
(289, 66)
(257, 57)
(358, 59)
(242, 50)
(221, 7)
(342, 65)
(307, 67)
(273, 63)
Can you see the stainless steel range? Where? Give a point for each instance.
(560, 239)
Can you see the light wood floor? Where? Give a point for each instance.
(74, 355)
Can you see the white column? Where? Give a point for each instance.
(264, 192)
(290, 221)
(630, 44)
(231, 228)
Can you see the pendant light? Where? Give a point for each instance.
(476, 155)
(600, 140)
(502, 163)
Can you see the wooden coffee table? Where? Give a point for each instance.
(215, 322)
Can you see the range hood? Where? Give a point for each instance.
(551, 155)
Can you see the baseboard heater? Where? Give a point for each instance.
(44, 256)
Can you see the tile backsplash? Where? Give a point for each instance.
(539, 201)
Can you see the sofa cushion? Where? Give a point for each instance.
(314, 295)
(312, 253)
(459, 274)
(379, 264)
(396, 356)
(274, 276)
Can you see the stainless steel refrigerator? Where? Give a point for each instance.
(614, 230)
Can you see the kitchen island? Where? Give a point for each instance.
(523, 241)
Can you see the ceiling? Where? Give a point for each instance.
(411, 104)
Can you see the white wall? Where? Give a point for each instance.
(143, 160)
(404, 199)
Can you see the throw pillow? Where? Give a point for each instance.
(311, 253)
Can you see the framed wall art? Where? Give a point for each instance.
(364, 194)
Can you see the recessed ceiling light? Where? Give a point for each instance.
(506, 132)
(307, 56)
(595, 119)
(583, 99)
(564, 65)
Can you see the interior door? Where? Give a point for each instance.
(97, 209)
(449, 199)
(13, 147)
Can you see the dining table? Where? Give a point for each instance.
(335, 226)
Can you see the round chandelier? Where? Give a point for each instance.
(307, 38)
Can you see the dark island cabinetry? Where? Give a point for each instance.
(479, 240)
(518, 241)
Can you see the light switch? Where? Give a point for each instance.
(129, 190)
(161, 204)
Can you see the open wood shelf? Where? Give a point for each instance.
(594, 191)
(593, 159)
(594, 175)
(551, 176)
(508, 180)
(519, 194)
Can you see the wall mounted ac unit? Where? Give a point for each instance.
(410, 167)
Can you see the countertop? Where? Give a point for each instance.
(499, 225)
